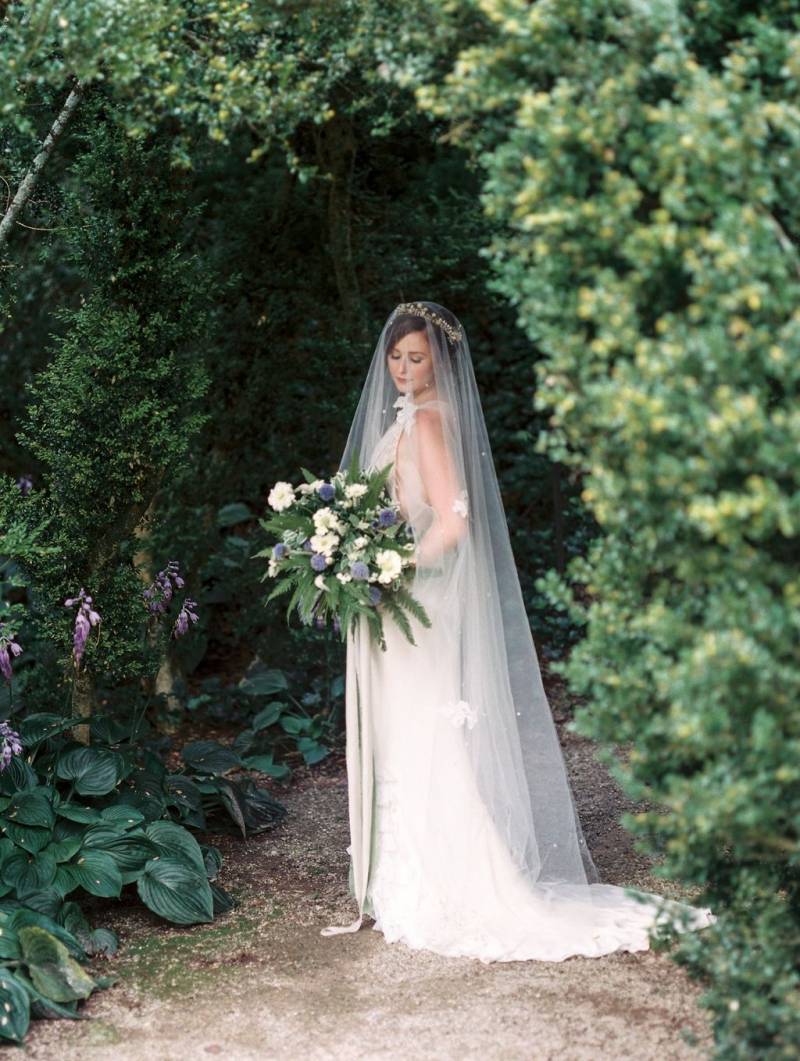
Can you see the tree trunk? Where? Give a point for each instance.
(336, 147)
(28, 183)
(82, 704)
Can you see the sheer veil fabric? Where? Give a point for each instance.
(465, 838)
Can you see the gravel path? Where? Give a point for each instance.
(262, 983)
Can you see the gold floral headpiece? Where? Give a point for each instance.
(417, 309)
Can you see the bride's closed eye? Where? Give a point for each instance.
(415, 360)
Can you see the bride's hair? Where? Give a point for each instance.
(407, 322)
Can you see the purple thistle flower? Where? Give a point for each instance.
(85, 619)
(318, 562)
(184, 615)
(25, 484)
(359, 571)
(374, 595)
(280, 550)
(327, 492)
(11, 744)
(307, 546)
(8, 648)
(386, 517)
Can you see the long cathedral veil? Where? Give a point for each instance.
(463, 545)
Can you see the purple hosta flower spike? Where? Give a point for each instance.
(11, 744)
(184, 615)
(86, 618)
(8, 648)
(158, 595)
(25, 484)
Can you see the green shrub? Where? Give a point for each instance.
(646, 164)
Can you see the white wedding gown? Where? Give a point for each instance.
(438, 875)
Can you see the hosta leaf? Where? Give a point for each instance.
(77, 813)
(96, 872)
(263, 682)
(122, 814)
(174, 840)
(94, 771)
(265, 765)
(29, 872)
(176, 891)
(53, 972)
(27, 836)
(32, 807)
(209, 757)
(38, 727)
(15, 1005)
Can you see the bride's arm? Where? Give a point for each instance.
(443, 488)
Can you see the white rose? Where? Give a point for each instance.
(281, 496)
(325, 519)
(361, 542)
(324, 543)
(355, 490)
(389, 565)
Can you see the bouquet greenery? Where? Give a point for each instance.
(343, 551)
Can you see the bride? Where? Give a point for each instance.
(465, 839)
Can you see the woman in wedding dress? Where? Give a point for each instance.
(465, 839)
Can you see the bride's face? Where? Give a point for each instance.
(411, 365)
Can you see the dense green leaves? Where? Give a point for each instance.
(645, 164)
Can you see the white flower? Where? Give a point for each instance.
(389, 565)
(344, 576)
(281, 496)
(362, 524)
(319, 582)
(409, 546)
(310, 488)
(460, 712)
(325, 519)
(325, 544)
(272, 567)
(361, 542)
(460, 504)
(355, 490)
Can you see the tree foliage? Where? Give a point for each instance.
(646, 165)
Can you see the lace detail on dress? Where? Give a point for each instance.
(460, 713)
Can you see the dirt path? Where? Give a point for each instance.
(262, 983)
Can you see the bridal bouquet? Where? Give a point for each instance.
(342, 551)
